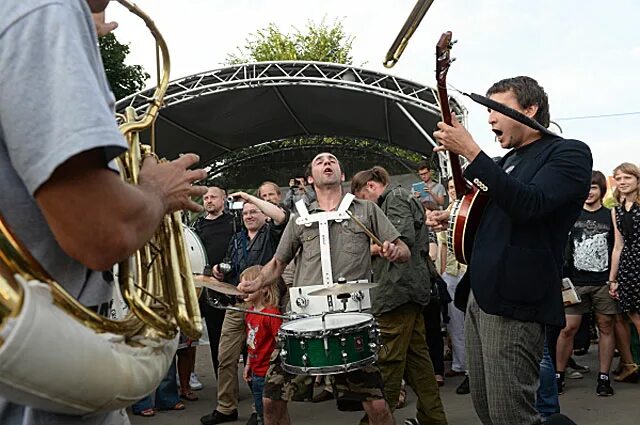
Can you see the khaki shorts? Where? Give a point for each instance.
(593, 296)
(352, 387)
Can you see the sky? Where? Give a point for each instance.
(585, 53)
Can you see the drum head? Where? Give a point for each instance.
(332, 321)
(195, 250)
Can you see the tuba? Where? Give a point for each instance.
(116, 362)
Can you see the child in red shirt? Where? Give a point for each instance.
(261, 336)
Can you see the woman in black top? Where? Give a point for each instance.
(624, 278)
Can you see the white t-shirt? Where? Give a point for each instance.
(55, 102)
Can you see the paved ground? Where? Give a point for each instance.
(578, 402)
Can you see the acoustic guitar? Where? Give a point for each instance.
(470, 202)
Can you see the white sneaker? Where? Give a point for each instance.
(194, 382)
(574, 374)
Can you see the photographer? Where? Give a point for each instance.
(298, 189)
(252, 245)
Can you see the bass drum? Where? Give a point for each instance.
(195, 249)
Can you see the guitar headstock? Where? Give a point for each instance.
(443, 58)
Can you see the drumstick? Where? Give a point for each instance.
(366, 230)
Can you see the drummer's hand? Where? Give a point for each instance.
(251, 286)
(437, 220)
(215, 272)
(390, 251)
(246, 374)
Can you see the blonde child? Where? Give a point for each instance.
(261, 335)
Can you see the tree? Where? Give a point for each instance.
(123, 79)
(319, 42)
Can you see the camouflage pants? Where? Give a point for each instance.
(357, 386)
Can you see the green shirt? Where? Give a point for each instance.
(350, 245)
(402, 283)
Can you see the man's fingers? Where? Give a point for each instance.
(193, 206)
(454, 121)
(197, 190)
(195, 175)
(187, 160)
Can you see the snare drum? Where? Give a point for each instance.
(195, 250)
(346, 342)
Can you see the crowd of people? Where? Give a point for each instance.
(510, 334)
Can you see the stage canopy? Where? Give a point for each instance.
(273, 117)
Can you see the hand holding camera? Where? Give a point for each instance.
(296, 183)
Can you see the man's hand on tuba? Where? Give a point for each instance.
(173, 181)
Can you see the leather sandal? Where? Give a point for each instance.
(629, 373)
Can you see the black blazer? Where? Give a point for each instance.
(516, 264)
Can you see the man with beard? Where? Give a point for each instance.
(215, 230)
(398, 301)
(588, 264)
(535, 194)
(350, 259)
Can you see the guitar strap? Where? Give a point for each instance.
(510, 112)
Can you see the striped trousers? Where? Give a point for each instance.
(503, 359)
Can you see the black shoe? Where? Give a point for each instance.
(463, 388)
(560, 384)
(575, 366)
(581, 352)
(253, 419)
(218, 418)
(603, 388)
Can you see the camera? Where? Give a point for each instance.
(296, 182)
(233, 204)
(224, 268)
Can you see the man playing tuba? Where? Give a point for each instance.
(59, 193)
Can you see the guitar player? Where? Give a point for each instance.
(535, 192)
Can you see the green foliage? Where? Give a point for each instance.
(281, 160)
(318, 42)
(609, 202)
(123, 79)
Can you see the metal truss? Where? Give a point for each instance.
(400, 92)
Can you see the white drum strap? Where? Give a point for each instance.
(323, 230)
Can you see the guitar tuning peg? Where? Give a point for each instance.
(452, 60)
(454, 42)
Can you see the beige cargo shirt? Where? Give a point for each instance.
(350, 246)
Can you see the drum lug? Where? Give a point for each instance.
(345, 357)
(305, 360)
(343, 341)
(374, 346)
(303, 344)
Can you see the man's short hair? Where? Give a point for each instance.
(267, 182)
(528, 93)
(600, 180)
(423, 165)
(224, 192)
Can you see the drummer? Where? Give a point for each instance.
(350, 259)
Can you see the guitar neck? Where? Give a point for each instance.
(454, 159)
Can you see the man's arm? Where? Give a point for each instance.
(564, 177)
(272, 211)
(269, 274)
(100, 220)
(436, 193)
